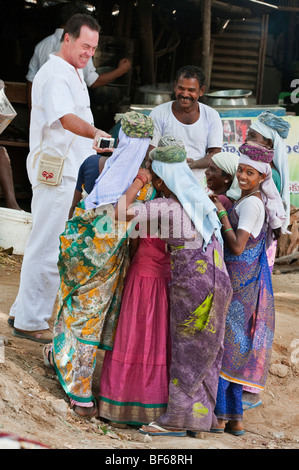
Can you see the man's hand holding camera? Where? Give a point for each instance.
(102, 142)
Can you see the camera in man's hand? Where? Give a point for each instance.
(105, 143)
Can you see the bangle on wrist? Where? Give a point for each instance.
(141, 178)
(227, 230)
(221, 214)
(95, 133)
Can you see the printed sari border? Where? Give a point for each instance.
(69, 394)
(240, 382)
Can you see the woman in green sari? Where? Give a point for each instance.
(92, 263)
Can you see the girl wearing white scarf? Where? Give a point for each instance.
(250, 320)
(275, 129)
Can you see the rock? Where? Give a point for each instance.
(280, 370)
(58, 405)
(279, 435)
(39, 371)
(146, 438)
(3, 340)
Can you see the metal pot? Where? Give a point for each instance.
(228, 98)
(154, 94)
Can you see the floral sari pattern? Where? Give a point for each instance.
(93, 261)
(251, 317)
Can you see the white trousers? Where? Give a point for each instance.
(39, 280)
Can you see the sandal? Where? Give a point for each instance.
(234, 432)
(11, 321)
(217, 430)
(42, 336)
(162, 431)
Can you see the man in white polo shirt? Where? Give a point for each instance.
(196, 124)
(62, 126)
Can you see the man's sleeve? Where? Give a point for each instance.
(90, 73)
(215, 136)
(33, 66)
(58, 99)
(158, 127)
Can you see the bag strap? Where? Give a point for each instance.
(40, 150)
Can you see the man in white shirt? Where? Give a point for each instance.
(61, 125)
(196, 124)
(52, 43)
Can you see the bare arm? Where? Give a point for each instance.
(151, 147)
(29, 89)
(234, 240)
(124, 66)
(133, 246)
(128, 198)
(78, 126)
(76, 199)
(203, 162)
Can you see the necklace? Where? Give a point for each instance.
(245, 197)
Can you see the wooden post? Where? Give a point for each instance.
(147, 60)
(206, 41)
(262, 56)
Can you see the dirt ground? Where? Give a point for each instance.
(34, 406)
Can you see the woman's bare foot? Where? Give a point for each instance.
(235, 427)
(220, 427)
(85, 412)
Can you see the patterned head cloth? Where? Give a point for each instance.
(257, 152)
(169, 163)
(270, 195)
(276, 129)
(137, 125)
(122, 167)
(276, 123)
(168, 154)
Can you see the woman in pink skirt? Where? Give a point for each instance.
(134, 380)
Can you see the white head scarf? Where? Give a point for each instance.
(228, 162)
(280, 161)
(273, 204)
(119, 171)
(181, 181)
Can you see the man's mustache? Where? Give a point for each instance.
(185, 97)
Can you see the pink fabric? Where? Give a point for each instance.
(247, 388)
(152, 258)
(137, 368)
(271, 254)
(84, 405)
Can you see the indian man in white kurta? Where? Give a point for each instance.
(197, 125)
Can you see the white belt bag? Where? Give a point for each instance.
(50, 168)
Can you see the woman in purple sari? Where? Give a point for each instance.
(248, 230)
(200, 289)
